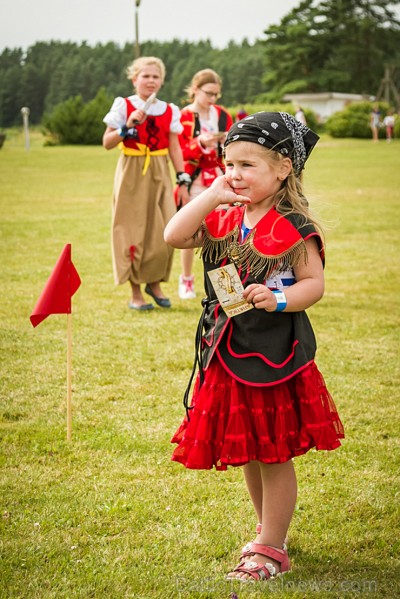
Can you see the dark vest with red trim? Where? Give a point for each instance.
(257, 347)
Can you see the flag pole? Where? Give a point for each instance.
(69, 376)
(55, 298)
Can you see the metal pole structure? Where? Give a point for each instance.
(25, 118)
(137, 47)
(387, 89)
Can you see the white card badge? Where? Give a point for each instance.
(229, 290)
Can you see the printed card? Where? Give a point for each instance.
(229, 290)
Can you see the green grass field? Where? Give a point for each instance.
(109, 515)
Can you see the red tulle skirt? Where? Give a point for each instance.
(232, 423)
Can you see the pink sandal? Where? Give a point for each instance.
(266, 571)
(247, 551)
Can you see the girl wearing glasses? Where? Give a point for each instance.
(204, 126)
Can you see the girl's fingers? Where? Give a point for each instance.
(250, 292)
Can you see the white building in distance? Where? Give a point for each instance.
(324, 104)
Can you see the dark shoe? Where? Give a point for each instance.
(163, 302)
(143, 307)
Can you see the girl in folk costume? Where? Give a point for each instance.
(259, 399)
(204, 127)
(146, 131)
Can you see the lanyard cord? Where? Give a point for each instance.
(198, 358)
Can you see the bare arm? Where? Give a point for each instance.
(176, 156)
(308, 289)
(111, 137)
(183, 230)
(175, 152)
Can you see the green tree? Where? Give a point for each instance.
(76, 122)
(10, 86)
(65, 123)
(92, 117)
(354, 121)
(33, 91)
(336, 45)
(48, 74)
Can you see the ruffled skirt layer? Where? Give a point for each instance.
(232, 423)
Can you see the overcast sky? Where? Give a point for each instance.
(25, 22)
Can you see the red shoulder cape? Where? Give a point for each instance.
(273, 243)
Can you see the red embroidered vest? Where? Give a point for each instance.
(153, 132)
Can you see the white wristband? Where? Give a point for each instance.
(281, 301)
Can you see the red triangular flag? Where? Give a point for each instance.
(63, 282)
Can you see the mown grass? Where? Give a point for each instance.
(108, 515)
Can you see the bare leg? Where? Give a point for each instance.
(279, 493)
(137, 297)
(279, 500)
(187, 262)
(252, 476)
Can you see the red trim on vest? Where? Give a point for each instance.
(258, 354)
(252, 384)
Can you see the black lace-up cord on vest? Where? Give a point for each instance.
(198, 358)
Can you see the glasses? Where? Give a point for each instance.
(210, 94)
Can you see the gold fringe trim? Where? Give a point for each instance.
(248, 257)
(216, 249)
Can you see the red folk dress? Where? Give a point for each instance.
(258, 394)
(143, 201)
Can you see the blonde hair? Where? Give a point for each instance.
(137, 65)
(201, 78)
(291, 197)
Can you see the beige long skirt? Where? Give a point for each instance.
(142, 206)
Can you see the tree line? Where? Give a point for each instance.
(50, 73)
(331, 45)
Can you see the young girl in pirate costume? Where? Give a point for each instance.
(143, 199)
(259, 399)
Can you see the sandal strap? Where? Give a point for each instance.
(257, 571)
(246, 550)
(279, 555)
